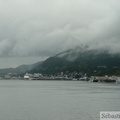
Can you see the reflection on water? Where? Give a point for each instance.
(56, 100)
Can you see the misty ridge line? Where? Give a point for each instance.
(80, 48)
(70, 55)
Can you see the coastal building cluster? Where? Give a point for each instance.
(39, 76)
(104, 78)
(61, 76)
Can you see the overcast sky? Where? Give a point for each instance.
(32, 30)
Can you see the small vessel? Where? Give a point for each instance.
(118, 80)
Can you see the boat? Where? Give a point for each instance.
(118, 80)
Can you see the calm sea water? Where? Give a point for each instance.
(56, 100)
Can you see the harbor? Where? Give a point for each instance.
(62, 76)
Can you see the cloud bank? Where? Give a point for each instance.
(46, 27)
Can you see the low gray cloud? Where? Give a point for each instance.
(46, 27)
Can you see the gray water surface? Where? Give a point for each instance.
(56, 100)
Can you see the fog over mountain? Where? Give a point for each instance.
(32, 30)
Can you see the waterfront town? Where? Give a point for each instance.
(61, 76)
